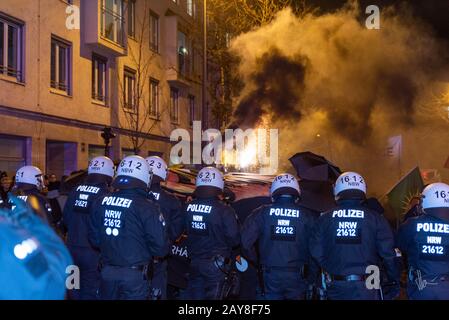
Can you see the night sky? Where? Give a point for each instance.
(433, 12)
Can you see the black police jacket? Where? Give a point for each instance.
(425, 242)
(282, 230)
(31, 195)
(78, 207)
(212, 228)
(171, 209)
(350, 237)
(128, 228)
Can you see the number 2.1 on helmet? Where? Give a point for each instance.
(210, 177)
(101, 165)
(30, 175)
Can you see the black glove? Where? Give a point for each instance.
(391, 290)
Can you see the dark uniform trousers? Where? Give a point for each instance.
(351, 290)
(159, 280)
(123, 283)
(283, 284)
(205, 280)
(434, 290)
(86, 259)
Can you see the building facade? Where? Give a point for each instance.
(68, 69)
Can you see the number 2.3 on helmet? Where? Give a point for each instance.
(157, 166)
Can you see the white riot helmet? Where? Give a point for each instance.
(134, 167)
(210, 177)
(285, 180)
(101, 165)
(30, 175)
(349, 181)
(157, 166)
(435, 195)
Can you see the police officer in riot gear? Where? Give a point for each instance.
(350, 238)
(129, 229)
(76, 219)
(28, 187)
(174, 219)
(33, 258)
(282, 230)
(212, 232)
(424, 240)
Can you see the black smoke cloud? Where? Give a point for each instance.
(333, 65)
(278, 86)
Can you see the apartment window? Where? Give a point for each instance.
(154, 32)
(191, 109)
(154, 98)
(11, 39)
(112, 20)
(174, 107)
(129, 90)
(60, 65)
(95, 151)
(131, 18)
(14, 153)
(99, 78)
(183, 53)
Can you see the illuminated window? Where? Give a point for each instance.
(112, 20)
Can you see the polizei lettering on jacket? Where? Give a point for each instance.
(348, 213)
(432, 227)
(284, 212)
(199, 208)
(88, 189)
(117, 202)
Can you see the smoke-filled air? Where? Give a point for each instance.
(332, 86)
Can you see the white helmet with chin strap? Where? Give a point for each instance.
(157, 166)
(135, 167)
(210, 177)
(30, 175)
(349, 181)
(285, 180)
(435, 195)
(101, 165)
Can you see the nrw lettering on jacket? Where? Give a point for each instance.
(117, 202)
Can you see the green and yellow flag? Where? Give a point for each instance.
(400, 195)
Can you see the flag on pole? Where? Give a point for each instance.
(394, 147)
(408, 187)
(430, 176)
